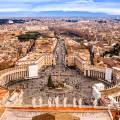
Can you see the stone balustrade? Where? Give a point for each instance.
(55, 102)
(48, 102)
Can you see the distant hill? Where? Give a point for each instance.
(55, 14)
(72, 13)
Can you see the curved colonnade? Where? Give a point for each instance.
(90, 70)
(22, 72)
(98, 73)
(15, 73)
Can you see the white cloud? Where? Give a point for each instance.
(80, 1)
(64, 5)
(11, 9)
(86, 7)
(31, 1)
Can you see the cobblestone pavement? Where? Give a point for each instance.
(37, 87)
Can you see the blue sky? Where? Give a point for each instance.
(110, 7)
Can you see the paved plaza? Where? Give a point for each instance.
(34, 88)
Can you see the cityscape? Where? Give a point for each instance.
(60, 60)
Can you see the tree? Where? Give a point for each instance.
(50, 82)
(115, 50)
(28, 36)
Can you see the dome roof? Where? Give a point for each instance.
(55, 116)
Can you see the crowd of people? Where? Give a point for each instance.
(37, 87)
